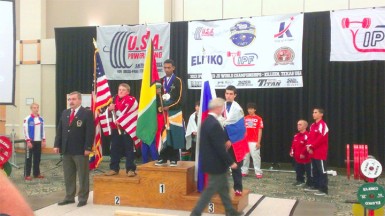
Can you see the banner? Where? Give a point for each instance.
(357, 35)
(256, 52)
(123, 49)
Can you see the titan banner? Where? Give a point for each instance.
(357, 35)
(256, 52)
(123, 49)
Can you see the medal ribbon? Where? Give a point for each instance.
(167, 84)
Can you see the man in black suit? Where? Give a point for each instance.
(215, 160)
(74, 139)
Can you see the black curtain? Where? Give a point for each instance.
(74, 63)
(352, 93)
(178, 52)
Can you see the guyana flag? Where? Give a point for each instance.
(147, 115)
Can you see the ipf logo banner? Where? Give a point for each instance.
(123, 49)
(357, 35)
(255, 52)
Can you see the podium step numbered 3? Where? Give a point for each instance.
(158, 187)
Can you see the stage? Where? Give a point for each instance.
(141, 195)
(258, 205)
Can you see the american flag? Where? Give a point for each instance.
(129, 119)
(103, 94)
(101, 98)
(97, 155)
(105, 120)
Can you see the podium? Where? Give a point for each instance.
(158, 187)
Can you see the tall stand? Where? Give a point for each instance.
(13, 158)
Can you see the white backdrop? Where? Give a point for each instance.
(122, 49)
(255, 52)
(357, 35)
(7, 52)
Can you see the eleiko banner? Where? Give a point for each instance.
(123, 49)
(256, 52)
(357, 35)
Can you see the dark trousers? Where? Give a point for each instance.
(218, 183)
(149, 150)
(236, 173)
(193, 149)
(122, 146)
(300, 170)
(319, 175)
(76, 165)
(35, 153)
(169, 153)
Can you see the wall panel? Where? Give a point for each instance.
(282, 7)
(202, 9)
(72, 13)
(241, 8)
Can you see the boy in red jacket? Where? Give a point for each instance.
(318, 149)
(254, 127)
(301, 156)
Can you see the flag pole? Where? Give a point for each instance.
(96, 49)
(114, 120)
(94, 100)
(164, 117)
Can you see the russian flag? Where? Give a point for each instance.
(236, 133)
(207, 94)
(236, 130)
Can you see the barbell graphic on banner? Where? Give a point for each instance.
(229, 54)
(118, 50)
(365, 23)
(246, 59)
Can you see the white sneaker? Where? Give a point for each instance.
(320, 193)
(331, 172)
(173, 163)
(161, 162)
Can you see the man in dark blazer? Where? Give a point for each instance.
(215, 160)
(74, 139)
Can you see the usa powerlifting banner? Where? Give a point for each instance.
(256, 52)
(7, 52)
(123, 49)
(357, 35)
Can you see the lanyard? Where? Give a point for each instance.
(167, 83)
